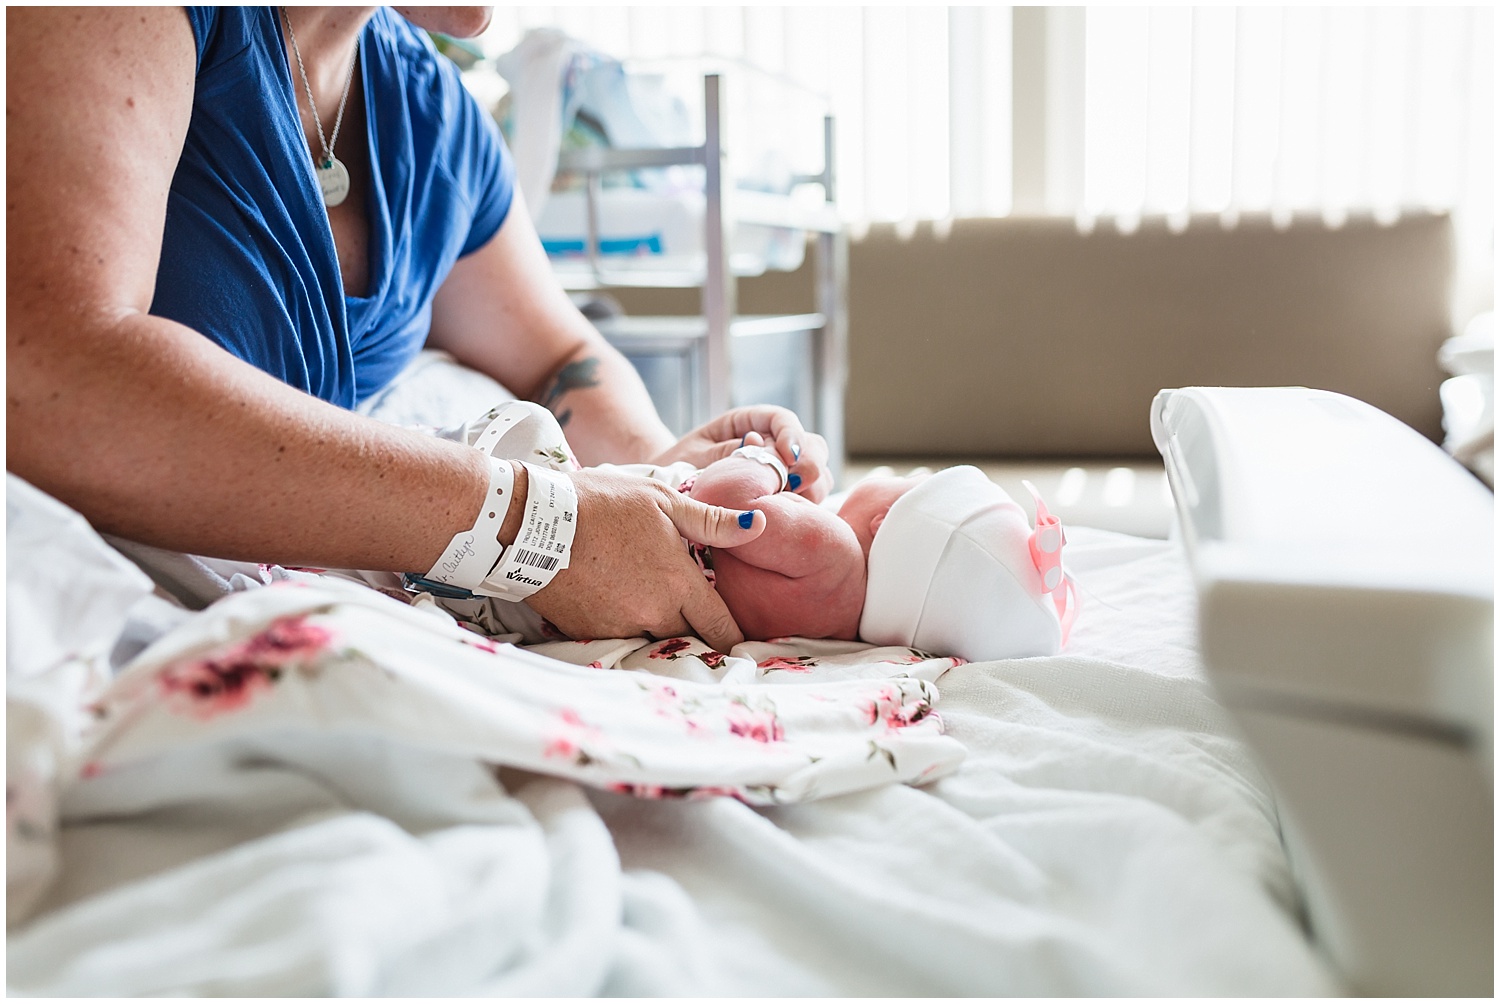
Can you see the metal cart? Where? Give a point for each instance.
(705, 345)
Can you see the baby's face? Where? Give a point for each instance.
(870, 500)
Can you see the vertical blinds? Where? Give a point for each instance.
(1180, 109)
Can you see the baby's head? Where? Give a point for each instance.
(867, 503)
(950, 568)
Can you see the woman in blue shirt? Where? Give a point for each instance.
(229, 226)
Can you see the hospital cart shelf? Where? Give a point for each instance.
(704, 342)
(691, 330)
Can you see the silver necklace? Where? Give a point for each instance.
(333, 176)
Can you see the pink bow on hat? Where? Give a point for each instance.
(1047, 540)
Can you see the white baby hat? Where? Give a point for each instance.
(951, 573)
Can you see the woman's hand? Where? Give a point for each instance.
(804, 453)
(630, 573)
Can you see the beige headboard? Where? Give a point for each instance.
(1025, 337)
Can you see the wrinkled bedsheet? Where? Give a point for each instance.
(309, 788)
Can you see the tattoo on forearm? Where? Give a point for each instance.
(578, 375)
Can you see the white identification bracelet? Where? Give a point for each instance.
(471, 554)
(764, 456)
(543, 546)
(506, 416)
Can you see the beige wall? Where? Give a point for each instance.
(1023, 337)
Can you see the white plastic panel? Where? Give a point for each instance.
(1395, 857)
(1345, 574)
(1340, 556)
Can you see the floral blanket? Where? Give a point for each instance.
(334, 658)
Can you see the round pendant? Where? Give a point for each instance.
(333, 178)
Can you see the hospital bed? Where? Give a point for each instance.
(404, 808)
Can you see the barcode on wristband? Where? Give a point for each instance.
(546, 562)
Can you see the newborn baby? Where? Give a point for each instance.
(946, 563)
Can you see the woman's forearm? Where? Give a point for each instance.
(605, 409)
(155, 434)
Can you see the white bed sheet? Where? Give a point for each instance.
(1104, 833)
(1097, 827)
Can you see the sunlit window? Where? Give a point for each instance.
(1179, 109)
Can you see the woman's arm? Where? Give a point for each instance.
(143, 425)
(154, 433)
(502, 311)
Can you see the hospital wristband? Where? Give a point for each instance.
(472, 553)
(505, 416)
(543, 547)
(767, 457)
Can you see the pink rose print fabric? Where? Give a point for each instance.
(670, 649)
(231, 678)
(788, 663)
(798, 661)
(292, 663)
(759, 726)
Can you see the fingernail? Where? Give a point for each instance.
(794, 481)
(746, 519)
(743, 438)
(796, 452)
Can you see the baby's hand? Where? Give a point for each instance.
(741, 478)
(804, 453)
(791, 481)
(771, 466)
(794, 480)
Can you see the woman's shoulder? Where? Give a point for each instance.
(222, 33)
(409, 72)
(452, 137)
(410, 54)
(400, 33)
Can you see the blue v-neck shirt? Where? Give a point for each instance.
(247, 254)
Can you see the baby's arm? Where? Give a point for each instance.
(739, 480)
(796, 529)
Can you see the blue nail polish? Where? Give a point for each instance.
(794, 481)
(796, 452)
(746, 519)
(743, 438)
